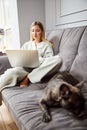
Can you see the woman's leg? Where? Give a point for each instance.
(11, 76)
(49, 65)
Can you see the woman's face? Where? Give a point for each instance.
(36, 33)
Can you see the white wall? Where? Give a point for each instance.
(29, 11)
(53, 14)
(65, 13)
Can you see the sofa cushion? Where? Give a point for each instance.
(69, 46)
(79, 66)
(54, 37)
(23, 106)
(4, 64)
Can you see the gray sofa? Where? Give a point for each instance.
(22, 103)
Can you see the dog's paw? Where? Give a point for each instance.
(46, 118)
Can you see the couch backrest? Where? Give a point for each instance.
(4, 64)
(71, 44)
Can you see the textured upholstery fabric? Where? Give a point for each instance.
(71, 44)
(55, 38)
(79, 66)
(73, 50)
(4, 64)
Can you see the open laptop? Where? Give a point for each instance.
(23, 58)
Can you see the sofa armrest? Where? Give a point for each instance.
(4, 64)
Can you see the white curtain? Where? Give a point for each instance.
(5, 20)
(4, 13)
(9, 24)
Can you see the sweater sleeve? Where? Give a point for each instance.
(48, 52)
(45, 52)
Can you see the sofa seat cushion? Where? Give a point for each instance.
(23, 106)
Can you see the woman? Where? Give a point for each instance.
(48, 62)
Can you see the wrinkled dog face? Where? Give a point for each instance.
(72, 100)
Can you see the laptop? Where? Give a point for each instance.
(23, 58)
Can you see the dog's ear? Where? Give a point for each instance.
(80, 85)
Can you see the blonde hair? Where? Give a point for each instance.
(42, 29)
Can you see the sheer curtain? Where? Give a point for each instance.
(8, 25)
(4, 12)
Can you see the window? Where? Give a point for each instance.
(9, 30)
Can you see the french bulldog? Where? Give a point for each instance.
(63, 90)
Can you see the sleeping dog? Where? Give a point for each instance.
(63, 90)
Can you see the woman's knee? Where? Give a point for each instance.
(18, 71)
(12, 71)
